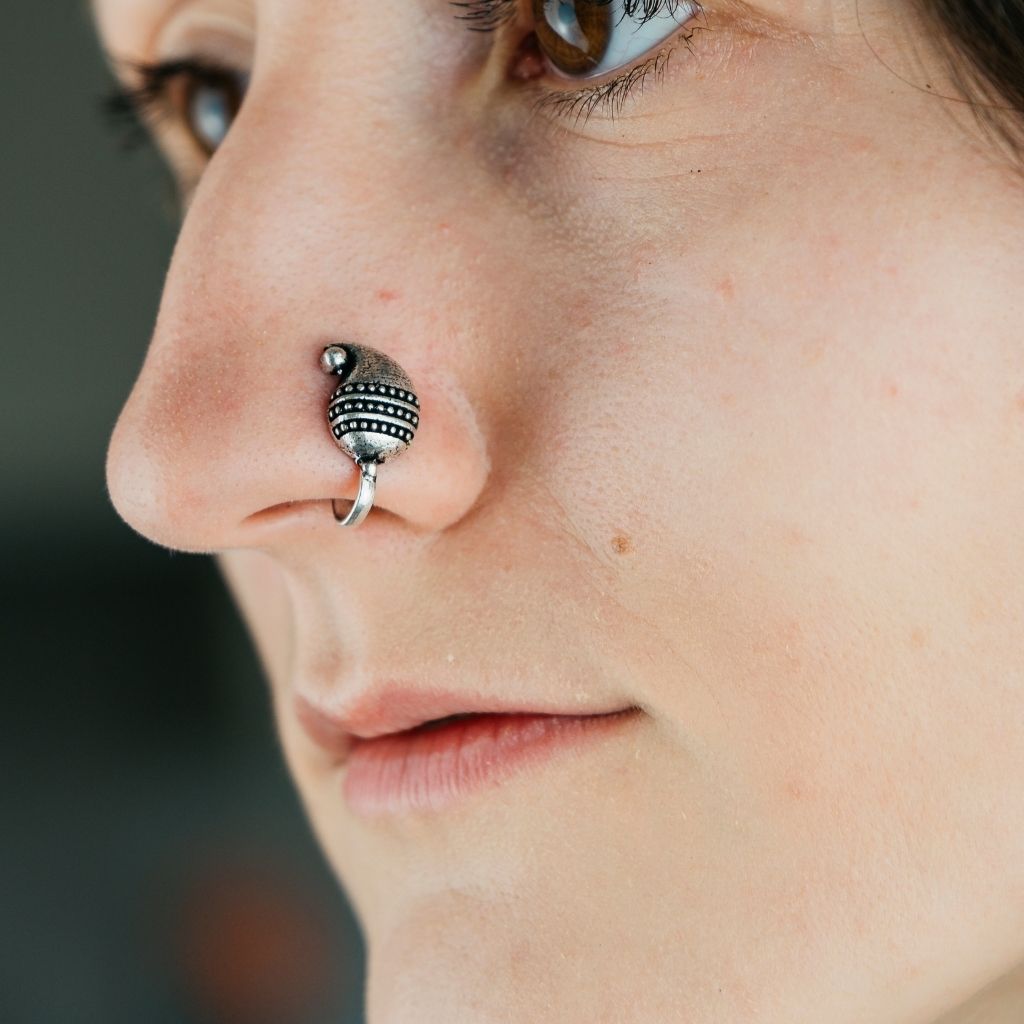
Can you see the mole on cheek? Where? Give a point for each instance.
(621, 544)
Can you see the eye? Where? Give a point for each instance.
(198, 96)
(589, 38)
(209, 102)
(209, 105)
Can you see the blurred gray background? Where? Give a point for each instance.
(156, 865)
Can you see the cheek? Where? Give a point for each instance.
(800, 481)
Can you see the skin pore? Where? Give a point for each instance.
(723, 416)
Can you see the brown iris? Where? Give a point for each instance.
(573, 34)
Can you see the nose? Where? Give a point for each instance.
(286, 248)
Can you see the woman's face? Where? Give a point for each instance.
(723, 417)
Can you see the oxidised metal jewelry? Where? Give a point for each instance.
(373, 414)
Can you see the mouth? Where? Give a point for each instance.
(437, 723)
(434, 763)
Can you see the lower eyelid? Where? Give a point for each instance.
(684, 33)
(656, 55)
(579, 104)
(583, 82)
(609, 95)
(653, 33)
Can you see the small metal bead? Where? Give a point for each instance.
(333, 359)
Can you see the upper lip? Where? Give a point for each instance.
(395, 708)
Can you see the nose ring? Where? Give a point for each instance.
(373, 414)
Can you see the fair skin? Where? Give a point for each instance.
(723, 418)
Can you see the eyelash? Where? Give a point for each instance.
(581, 103)
(612, 95)
(132, 108)
(486, 15)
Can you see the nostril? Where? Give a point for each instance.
(287, 518)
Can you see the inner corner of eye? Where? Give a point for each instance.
(528, 61)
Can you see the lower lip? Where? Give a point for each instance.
(430, 769)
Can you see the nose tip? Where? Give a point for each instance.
(192, 462)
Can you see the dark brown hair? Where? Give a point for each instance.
(983, 43)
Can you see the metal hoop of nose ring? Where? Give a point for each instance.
(373, 414)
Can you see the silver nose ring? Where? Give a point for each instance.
(373, 414)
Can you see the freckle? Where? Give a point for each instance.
(794, 535)
(979, 611)
(1019, 402)
(387, 295)
(725, 287)
(892, 390)
(727, 398)
(621, 544)
(918, 637)
(813, 351)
